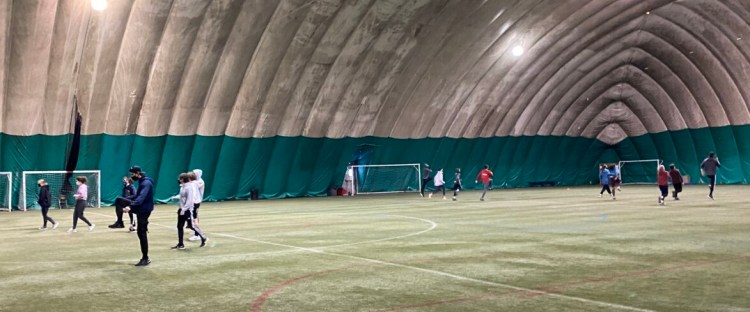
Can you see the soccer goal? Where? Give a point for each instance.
(6, 190)
(62, 186)
(642, 171)
(394, 178)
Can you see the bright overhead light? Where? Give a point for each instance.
(517, 51)
(99, 5)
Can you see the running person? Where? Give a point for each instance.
(662, 178)
(81, 195)
(676, 177)
(456, 183)
(185, 211)
(708, 167)
(486, 177)
(45, 201)
(439, 182)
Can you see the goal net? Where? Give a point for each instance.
(62, 186)
(639, 171)
(370, 179)
(6, 190)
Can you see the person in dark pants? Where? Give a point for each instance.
(486, 177)
(127, 190)
(425, 178)
(142, 204)
(185, 211)
(45, 201)
(676, 177)
(82, 196)
(456, 183)
(708, 167)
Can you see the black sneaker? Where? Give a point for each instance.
(143, 262)
(203, 241)
(180, 247)
(116, 225)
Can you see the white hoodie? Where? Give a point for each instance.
(199, 185)
(439, 178)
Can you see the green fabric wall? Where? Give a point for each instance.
(298, 166)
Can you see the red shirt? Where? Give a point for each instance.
(485, 175)
(663, 178)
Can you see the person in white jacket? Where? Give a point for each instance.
(199, 186)
(185, 211)
(439, 182)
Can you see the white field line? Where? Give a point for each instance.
(435, 272)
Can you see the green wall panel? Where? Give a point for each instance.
(299, 166)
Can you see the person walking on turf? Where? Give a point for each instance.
(142, 204)
(604, 175)
(662, 178)
(486, 177)
(82, 196)
(708, 168)
(439, 182)
(45, 201)
(127, 190)
(456, 183)
(425, 178)
(185, 211)
(676, 177)
(200, 186)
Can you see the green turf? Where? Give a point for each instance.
(541, 249)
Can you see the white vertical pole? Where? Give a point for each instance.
(99, 189)
(23, 190)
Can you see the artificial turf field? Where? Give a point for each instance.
(537, 249)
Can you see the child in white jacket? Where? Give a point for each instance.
(439, 182)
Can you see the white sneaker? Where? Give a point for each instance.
(443, 197)
(429, 196)
(72, 230)
(91, 227)
(600, 195)
(42, 228)
(454, 198)
(54, 226)
(194, 238)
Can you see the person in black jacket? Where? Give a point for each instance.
(45, 201)
(142, 203)
(127, 190)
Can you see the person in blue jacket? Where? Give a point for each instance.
(142, 203)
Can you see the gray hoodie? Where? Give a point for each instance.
(186, 198)
(199, 185)
(709, 165)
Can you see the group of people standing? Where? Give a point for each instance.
(439, 181)
(139, 203)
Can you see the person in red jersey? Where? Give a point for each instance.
(662, 178)
(486, 177)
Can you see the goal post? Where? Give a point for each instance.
(640, 171)
(6, 191)
(388, 178)
(62, 186)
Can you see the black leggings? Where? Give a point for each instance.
(78, 213)
(424, 185)
(119, 204)
(45, 217)
(605, 187)
(456, 189)
(712, 179)
(439, 188)
(181, 221)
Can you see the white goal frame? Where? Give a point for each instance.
(620, 164)
(355, 190)
(98, 181)
(10, 189)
